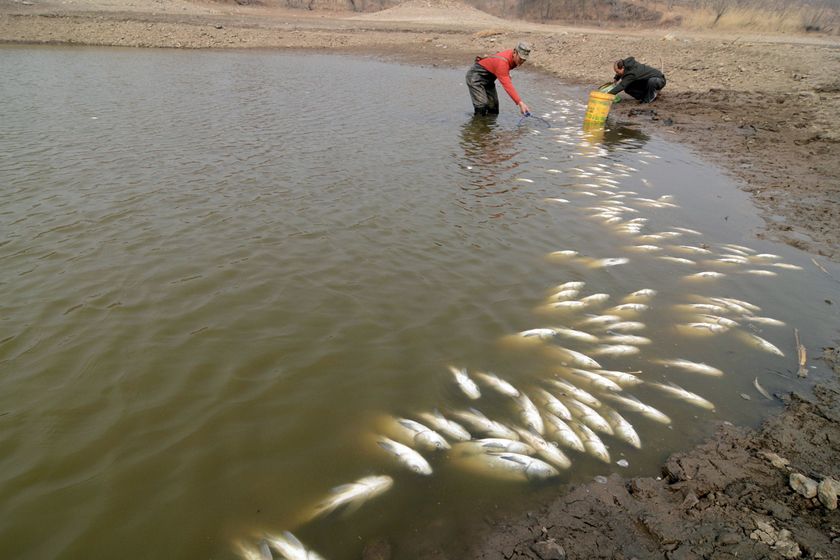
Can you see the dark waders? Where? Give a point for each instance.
(645, 90)
(482, 85)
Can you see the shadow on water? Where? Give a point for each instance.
(614, 136)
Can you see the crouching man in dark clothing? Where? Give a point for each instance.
(638, 80)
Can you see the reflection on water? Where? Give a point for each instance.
(225, 319)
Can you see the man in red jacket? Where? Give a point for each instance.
(482, 76)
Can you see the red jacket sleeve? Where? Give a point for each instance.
(500, 64)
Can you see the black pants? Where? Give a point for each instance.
(645, 90)
(482, 85)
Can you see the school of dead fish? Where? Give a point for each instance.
(576, 410)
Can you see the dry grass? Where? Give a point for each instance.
(752, 19)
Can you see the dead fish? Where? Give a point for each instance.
(761, 390)
(595, 379)
(591, 442)
(739, 248)
(628, 308)
(478, 422)
(558, 200)
(352, 496)
(623, 326)
(693, 367)
(587, 415)
(735, 259)
(498, 384)
(758, 342)
(630, 339)
(595, 299)
(698, 307)
(623, 378)
(716, 320)
(736, 304)
(502, 445)
(552, 404)
(634, 404)
(547, 451)
(566, 389)
(766, 257)
(569, 357)
(615, 350)
(564, 254)
(678, 260)
(570, 286)
(689, 231)
(693, 249)
(764, 321)
(639, 296)
(290, 548)
(600, 320)
(531, 467)
(574, 334)
(464, 382)
(405, 456)
(540, 333)
(701, 329)
(759, 272)
(451, 429)
(560, 432)
(684, 395)
(529, 414)
(249, 552)
(566, 305)
(623, 429)
(787, 266)
(420, 435)
(705, 275)
(604, 263)
(644, 248)
(564, 295)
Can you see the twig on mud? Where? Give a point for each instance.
(821, 267)
(802, 354)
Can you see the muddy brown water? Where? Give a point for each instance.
(221, 270)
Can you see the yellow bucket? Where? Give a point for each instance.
(598, 108)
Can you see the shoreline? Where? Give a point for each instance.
(766, 110)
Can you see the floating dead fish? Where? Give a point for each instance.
(684, 395)
(693, 249)
(701, 329)
(623, 429)
(678, 260)
(247, 551)
(352, 496)
(736, 304)
(766, 257)
(628, 308)
(557, 200)
(705, 275)
(591, 442)
(615, 350)
(405, 456)
(564, 295)
(552, 404)
(739, 248)
(529, 414)
(467, 385)
(759, 272)
(697, 307)
(290, 548)
(565, 389)
(689, 231)
(629, 339)
(547, 451)
(764, 321)
(600, 320)
(524, 180)
(419, 435)
(623, 378)
(733, 260)
(625, 326)
(716, 319)
(478, 422)
(570, 286)
(639, 296)
(761, 390)
(634, 404)
(572, 305)
(603, 263)
(595, 379)
(498, 445)
(588, 416)
(573, 357)
(595, 299)
(787, 266)
(574, 334)
(498, 384)
(757, 342)
(643, 248)
(564, 254)
(560, 432)
(451, 429)
(651, 237)
(692, 367)
(541, 333)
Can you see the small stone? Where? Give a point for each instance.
(827, 493)
(690, 501)
(803, 485)
(549, 550)
(728, 538)
(622, 463)
(775, 460)
(601, 479)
